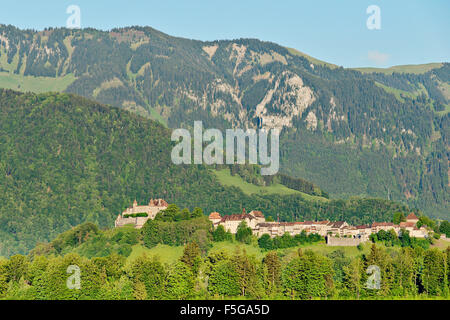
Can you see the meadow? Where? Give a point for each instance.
(226, 179)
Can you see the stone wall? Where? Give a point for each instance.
(348, 242)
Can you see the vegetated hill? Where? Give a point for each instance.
(376, 134)
(65, 160)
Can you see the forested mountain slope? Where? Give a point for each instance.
(65, 160)
(379, 134)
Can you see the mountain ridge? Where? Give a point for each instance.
(348, 118)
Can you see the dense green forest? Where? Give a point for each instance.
(65, 160)
(349, 133)
(403, 270)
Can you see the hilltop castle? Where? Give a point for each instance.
(135, 215)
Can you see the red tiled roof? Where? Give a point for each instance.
(214, 215)
(411, 216)
(382, 224)
(158, 203)
(235, 217)
(290, 223)
(337, 224)
(407, 224)
(269, 224)
(257, 214)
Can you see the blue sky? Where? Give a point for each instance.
(411, 31)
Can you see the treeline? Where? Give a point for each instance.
(390, 238)
(177, 233)
(89, 241)
(287, 241)
(412, 273)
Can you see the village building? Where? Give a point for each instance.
(413, 230)
(411, 226)
(231, 222)
(135, 215)
(293, 228)
(215, 218)
(421, 232)
(321, 227)
(336, 229)
(412, 218)
(386, 226)
(363, 232)
(271, 228)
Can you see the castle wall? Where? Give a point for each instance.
(151, 210)
(345, 242)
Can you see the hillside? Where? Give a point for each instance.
(379, 133)
(65, 160)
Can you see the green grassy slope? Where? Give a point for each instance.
(312, 59)
(227, 179)
(168, 254)
(35, 84)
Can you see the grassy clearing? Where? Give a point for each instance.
(411, 68)
(168, 254)
(441, 243)
(251, 249)
(4, 61)
(35, 84)
(313, 60)
(226, 179)
(109, 84)
(398, 93)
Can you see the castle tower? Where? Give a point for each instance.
(215, 217)
(134, 203)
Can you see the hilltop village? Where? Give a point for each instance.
(336, 232)
(330, 229)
